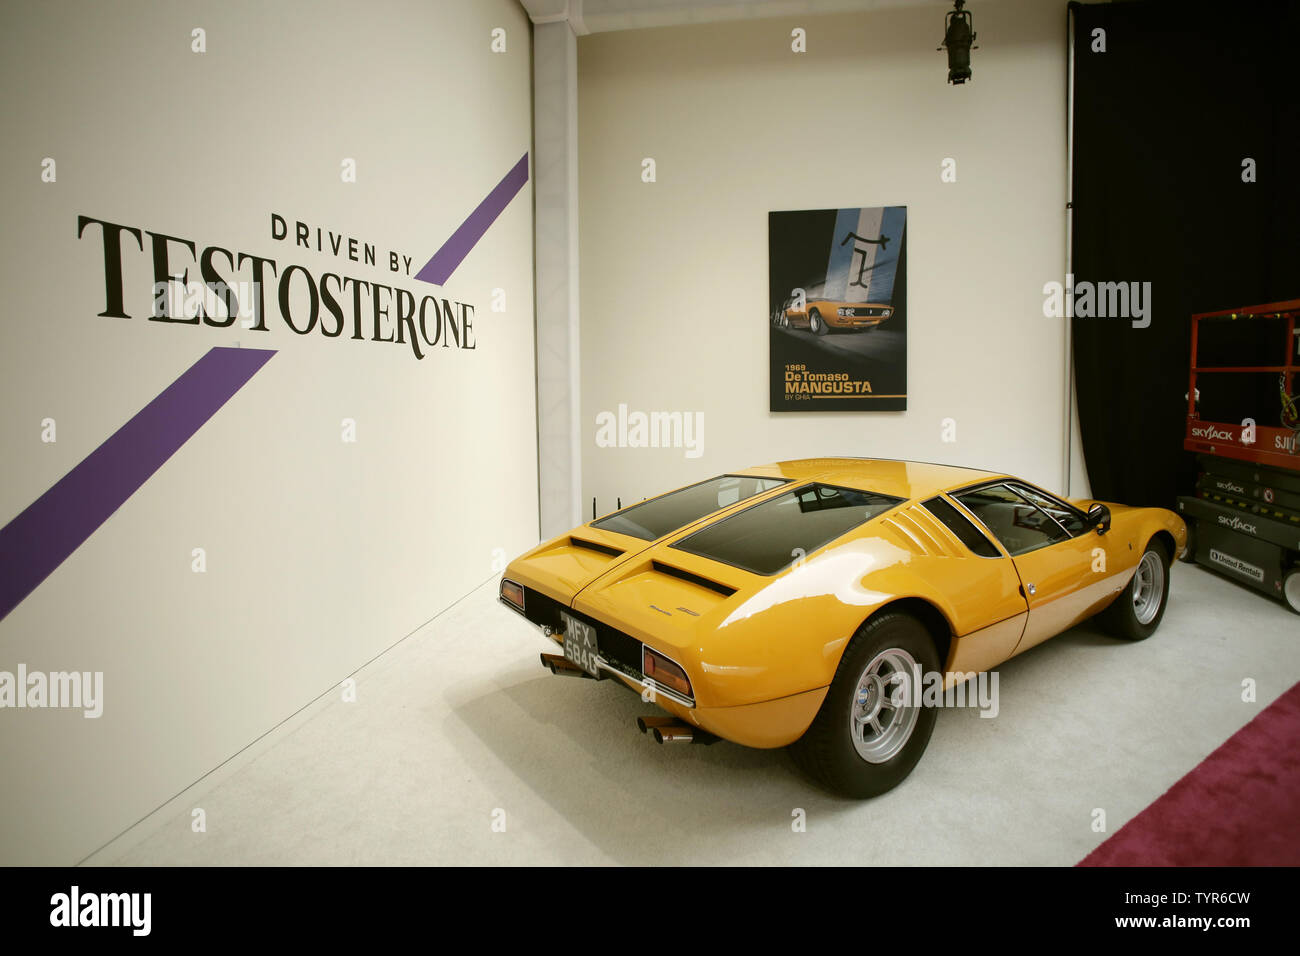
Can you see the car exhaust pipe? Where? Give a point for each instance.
(670, 730)
(674, 734)
(559, 664)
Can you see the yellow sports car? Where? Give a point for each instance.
(805, 603)
(819, 316)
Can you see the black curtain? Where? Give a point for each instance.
(1163, 119)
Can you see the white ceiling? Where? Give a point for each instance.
(602, 16)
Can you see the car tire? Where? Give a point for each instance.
(1136, 613)
(849, 748)
(1189, 554)
(1291, 589)
(816, 324)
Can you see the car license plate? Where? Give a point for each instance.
(580, 645)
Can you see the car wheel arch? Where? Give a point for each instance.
(930, 616)
(1167, 542)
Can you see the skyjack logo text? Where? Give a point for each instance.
(1236, 524)
(1211, 433)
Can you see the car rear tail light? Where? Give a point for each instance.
(512, 593)
(663, 671)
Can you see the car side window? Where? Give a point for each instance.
(962, 527)
(1014, 520)
(1065, 516)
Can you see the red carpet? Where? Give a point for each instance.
(1239, 807)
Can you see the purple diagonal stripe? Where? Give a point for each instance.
(59, 521)
(453, 252)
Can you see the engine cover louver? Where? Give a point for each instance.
(716, 586)
(918, 531)
(595, 546)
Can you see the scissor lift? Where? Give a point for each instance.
(1243, 423)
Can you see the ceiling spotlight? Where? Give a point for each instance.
(958, 37)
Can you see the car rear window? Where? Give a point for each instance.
(771, 535)
(657, 517)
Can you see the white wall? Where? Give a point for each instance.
(320, 553)
(674, 273)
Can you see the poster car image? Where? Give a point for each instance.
(837, 292)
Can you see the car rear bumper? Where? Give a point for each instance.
(763, 725)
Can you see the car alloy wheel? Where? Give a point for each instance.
(1148, 588)
(1189, 553)
(873, 724)
(1136, 611)
(1291, 589)
(816, 323)
(883, 716)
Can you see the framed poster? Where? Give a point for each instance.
(837, 293)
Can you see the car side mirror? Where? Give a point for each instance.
(1099, 518)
